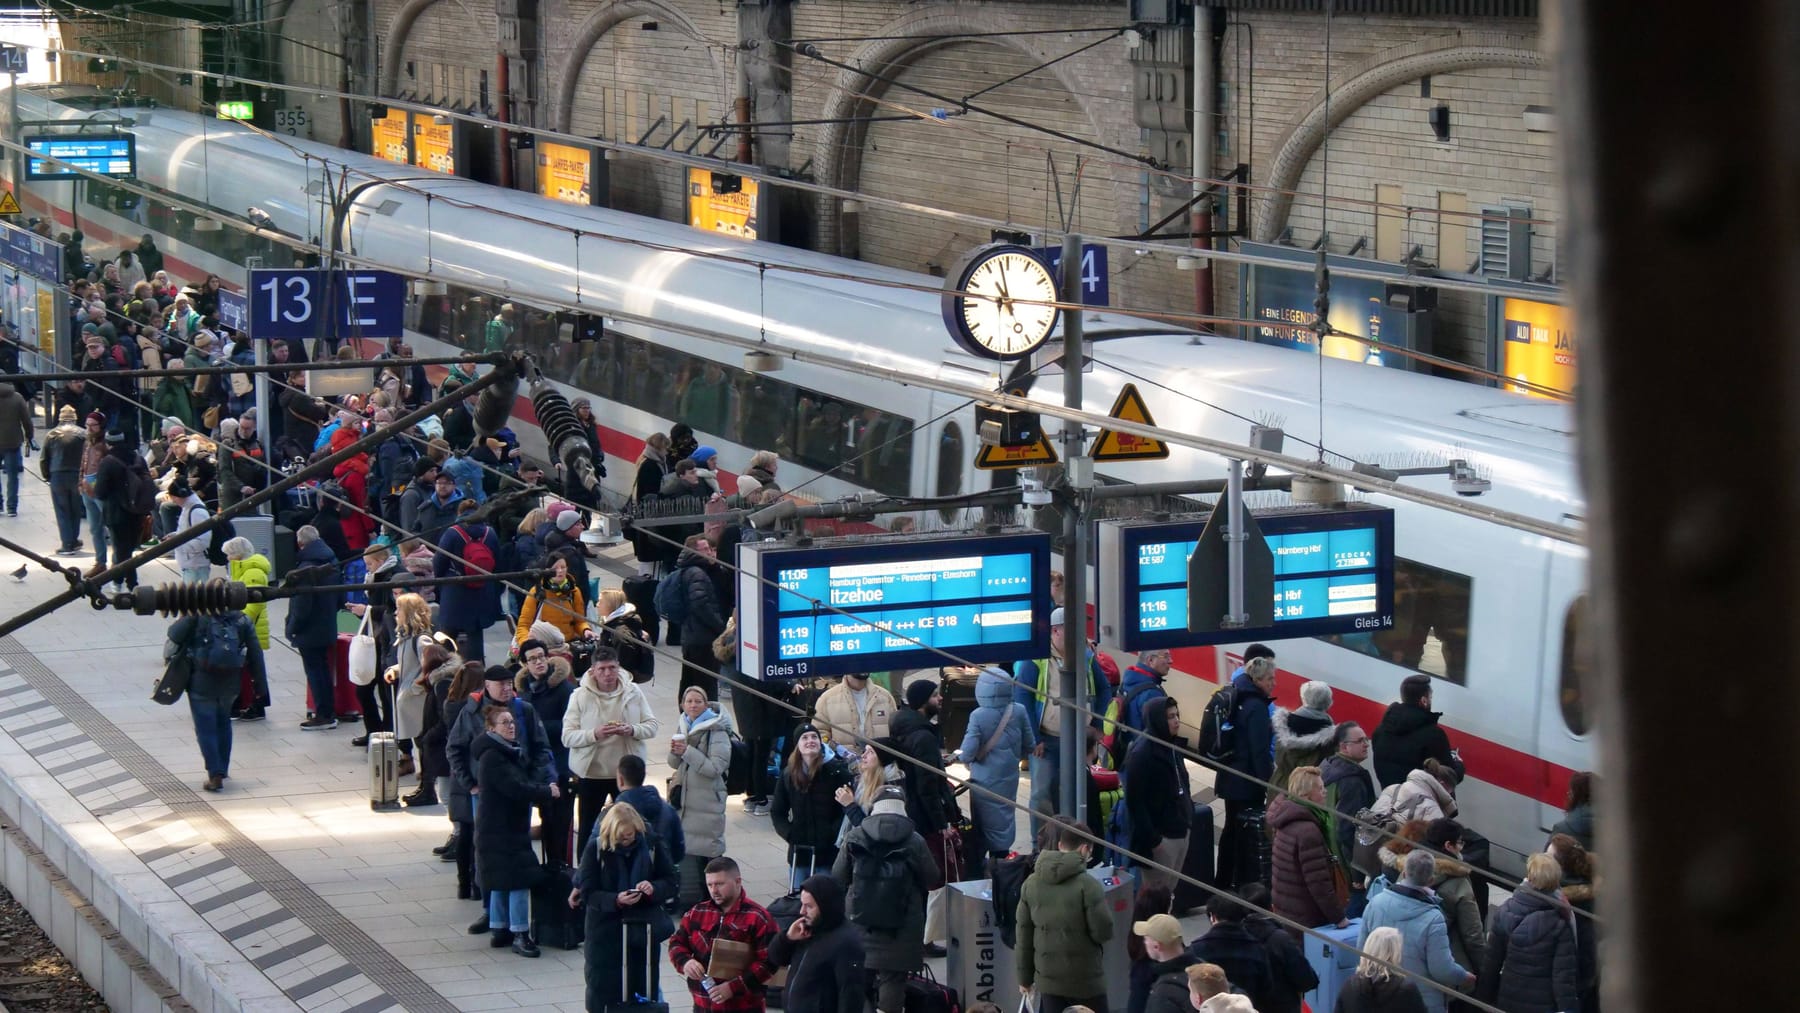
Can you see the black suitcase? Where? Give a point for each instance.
(553, 923)
(1198, 863)
(285, 551)
(641, 592)
(958, 688)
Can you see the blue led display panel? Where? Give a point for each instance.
(1334, 573)
(873, 606)
(105, 154)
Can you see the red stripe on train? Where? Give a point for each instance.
(1491, 762)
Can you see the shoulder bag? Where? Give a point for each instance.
(362, 660)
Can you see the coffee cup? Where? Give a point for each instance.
(678, 737)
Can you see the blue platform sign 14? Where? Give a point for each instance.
(1095, 291)
(860, 605)
(316, 303)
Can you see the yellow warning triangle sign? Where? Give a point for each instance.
(1029, 456)
(1112, 446)
(9, 205)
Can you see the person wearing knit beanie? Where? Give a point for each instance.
(919, 693)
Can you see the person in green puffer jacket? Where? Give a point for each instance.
(1063, 927)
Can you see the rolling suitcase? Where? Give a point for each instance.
(384, 772)
(343, 691)
(1334, 962)
(628, 1001)
(641, 592)
(1199, 861)
(553, 923)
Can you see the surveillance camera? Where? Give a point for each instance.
(1464, 481)
(1033, 493)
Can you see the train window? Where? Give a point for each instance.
(949, 467)
(1431, 623)
(1577, 667)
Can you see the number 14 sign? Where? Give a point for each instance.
(316, 303)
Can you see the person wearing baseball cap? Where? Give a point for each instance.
(1039, 688)
(1161, 976)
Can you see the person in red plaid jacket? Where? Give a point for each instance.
(726, 914)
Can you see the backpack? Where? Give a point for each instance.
(140, 489)
(1375, 824)
(215, 544)
(477, 557)
(218, 644)
(1119, 731)
(671, 597)
(1009, 884)
(1118, 836)
(1216, 726)
(885, 885)
(737, 775)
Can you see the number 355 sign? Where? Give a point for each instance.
(313, 303)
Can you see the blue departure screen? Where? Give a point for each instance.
(876, 606)
(105, 155)
(1329, 566)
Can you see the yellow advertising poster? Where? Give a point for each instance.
(565, 172)
(1537, 344)
(733, 214)
(387, 136)
(434, 146)
(46, 320)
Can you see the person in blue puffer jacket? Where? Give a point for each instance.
(998, 737)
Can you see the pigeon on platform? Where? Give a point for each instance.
(20, 573)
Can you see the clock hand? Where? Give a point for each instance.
(1005, 297)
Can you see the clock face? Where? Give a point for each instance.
(1005, 308)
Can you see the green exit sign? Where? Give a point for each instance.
(237, 110)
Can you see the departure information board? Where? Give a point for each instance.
(863, 605)
(106, 155)
(1334, 573)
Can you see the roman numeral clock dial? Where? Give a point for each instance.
(999, 302)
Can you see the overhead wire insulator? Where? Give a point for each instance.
(562, 430)
(494, 405)
(215, 597)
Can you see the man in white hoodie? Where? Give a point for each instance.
(190, 555)
(608, 717)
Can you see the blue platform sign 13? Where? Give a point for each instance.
(1095, 290)
(316, 303)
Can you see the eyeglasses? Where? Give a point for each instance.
(1356, 742)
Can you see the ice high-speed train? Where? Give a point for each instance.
(1493, 614)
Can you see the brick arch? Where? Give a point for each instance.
(855, 94)
(393, 49)
(1374, 77)
(595, 28)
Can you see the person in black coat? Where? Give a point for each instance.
(1376, 987)
(1348, 787)
(822, 952)
(930, 803)
(509, 867)
(625, 878)
(1532, 964)
(1409, 734)
(1243, 849)
(1294, 977)
(312, 623)
(805, 810)
(1156, 792)
(1231, 946)
(705, 618)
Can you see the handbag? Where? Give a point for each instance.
(175, 678)
(724, 647)
(1340, 880)
(362, 663)
(947, 853)
(999, 729)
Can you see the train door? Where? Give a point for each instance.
(1565, 714)
(947, 445)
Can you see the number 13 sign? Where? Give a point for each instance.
(309, 303)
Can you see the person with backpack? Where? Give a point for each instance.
(1142, 683)
(688, 598)
(465, 611)
(123, 485)
(1238, 733)
(887, 870)
(191, 555)
(1063, 927)
(219, 648)
(999, 736)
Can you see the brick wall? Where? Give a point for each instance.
(1272, 68)
(634, 76)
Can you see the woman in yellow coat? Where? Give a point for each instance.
(252, 569)
(556, 600)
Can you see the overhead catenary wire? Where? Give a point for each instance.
(752, 172)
